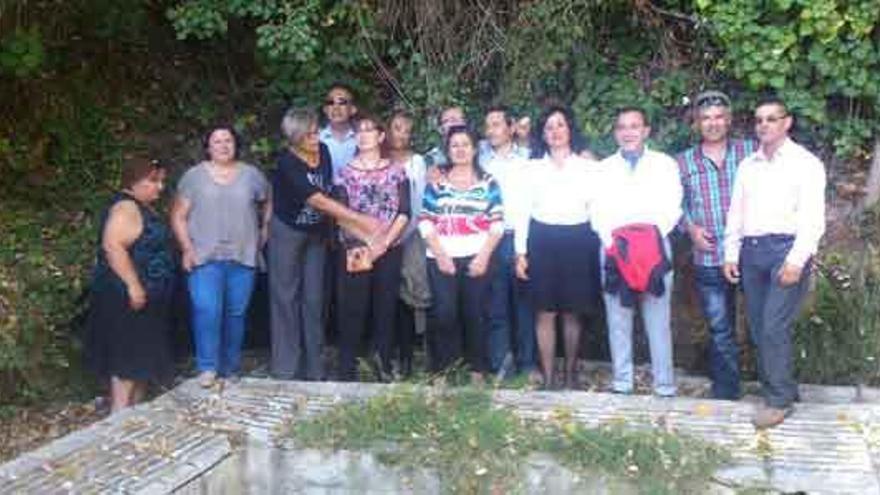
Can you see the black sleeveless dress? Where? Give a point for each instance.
(121, 342)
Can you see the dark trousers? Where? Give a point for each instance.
(771, 310)
(511, 317)
(718, 302)
(456, 320)
(296, 300)
(367, 300)
(405, 333)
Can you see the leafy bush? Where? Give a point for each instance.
(44, 262)
(838, 339)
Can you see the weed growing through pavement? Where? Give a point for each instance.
(477, 447)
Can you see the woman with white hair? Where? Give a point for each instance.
(300, 226)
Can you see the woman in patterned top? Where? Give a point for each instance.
(129, 326)
(369, 272)
(461, 222)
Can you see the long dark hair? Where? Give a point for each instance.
(577, 140)
(475, 142)
(397, 114)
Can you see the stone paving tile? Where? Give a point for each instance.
(163, 446)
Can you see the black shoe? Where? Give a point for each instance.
(406, 367)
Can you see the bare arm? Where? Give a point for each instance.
(124, 225)
(361, 226)
(266, 215)
(444, 262)
(179, 213)
(480, 263)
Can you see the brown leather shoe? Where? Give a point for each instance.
(768, 417)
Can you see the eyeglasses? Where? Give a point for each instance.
(712, 101)
(338, 102)
(770, 120)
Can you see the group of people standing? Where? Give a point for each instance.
(489, 245)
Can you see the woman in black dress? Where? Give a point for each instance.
(132, 284)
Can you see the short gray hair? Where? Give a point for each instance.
(297, 122)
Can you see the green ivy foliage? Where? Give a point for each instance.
(22, 53)
(66, 75)
(823, 56)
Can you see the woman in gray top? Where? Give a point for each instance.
(220, 219)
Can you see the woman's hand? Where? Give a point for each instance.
(378, 247)
(478, 266)
(445, 265)
(264, 235)
(188, 259)
(522, 267)
(137, 296)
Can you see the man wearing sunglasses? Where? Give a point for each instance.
(775, 221)
(338, 135)
(707, 174)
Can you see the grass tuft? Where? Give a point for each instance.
(477, 447)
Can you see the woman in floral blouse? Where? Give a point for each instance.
(369, 272)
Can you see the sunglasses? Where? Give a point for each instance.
(712, 101)
(338, 102)
(770, 120)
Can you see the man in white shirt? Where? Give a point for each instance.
(338, 135)
(638, 186)
(510, 314)
(775, 221)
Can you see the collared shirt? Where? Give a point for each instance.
(506, 170)
(779, 194)
(341, 152)
(415, 171)
(648, 193)
(553, 195)
(435, 157)
(707, 188)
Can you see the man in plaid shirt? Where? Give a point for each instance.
(707, 175)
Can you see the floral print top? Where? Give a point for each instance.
(381, 192)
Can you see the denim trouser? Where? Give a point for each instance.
(220, 292)
(718, 302)
(510, 313)
(771, 310)
(656, 318)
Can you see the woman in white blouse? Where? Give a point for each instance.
(557, 251)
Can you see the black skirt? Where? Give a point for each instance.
(564, 267)
(132, 345)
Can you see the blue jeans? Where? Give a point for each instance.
(656, 320)
(771, 310)
(510, 313)
(718, 302)
(220, 292)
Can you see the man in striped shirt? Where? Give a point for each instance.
(707, 176)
